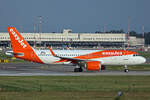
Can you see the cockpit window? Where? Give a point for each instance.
(135, 55)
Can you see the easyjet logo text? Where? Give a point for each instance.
(112, 53)
(18, 38)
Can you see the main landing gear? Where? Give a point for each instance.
(78, 69)
(126, 68)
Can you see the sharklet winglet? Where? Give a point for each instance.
(51, 51)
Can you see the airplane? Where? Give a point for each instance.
(90, 60)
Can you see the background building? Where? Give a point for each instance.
(67, 38)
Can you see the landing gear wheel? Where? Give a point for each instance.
(78, 70)
(126, 70)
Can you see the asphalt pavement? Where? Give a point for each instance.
(33, 69)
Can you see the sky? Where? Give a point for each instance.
(78, 15)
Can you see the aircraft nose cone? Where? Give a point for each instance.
(143, 60)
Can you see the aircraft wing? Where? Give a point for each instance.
(72, 59)
(65, 59)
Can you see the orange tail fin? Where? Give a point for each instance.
(21, 48)
(17, 41)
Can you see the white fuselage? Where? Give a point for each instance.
(48, 58)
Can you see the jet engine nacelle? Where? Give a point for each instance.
(94, 66)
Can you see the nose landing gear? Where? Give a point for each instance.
(126, 69)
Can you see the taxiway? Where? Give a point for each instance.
(33, 69)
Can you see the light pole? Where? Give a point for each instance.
(40, 29)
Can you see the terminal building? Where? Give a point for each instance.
(67, 38)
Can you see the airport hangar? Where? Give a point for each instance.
(76, 40)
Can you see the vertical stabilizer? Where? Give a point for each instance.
(17, 41)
